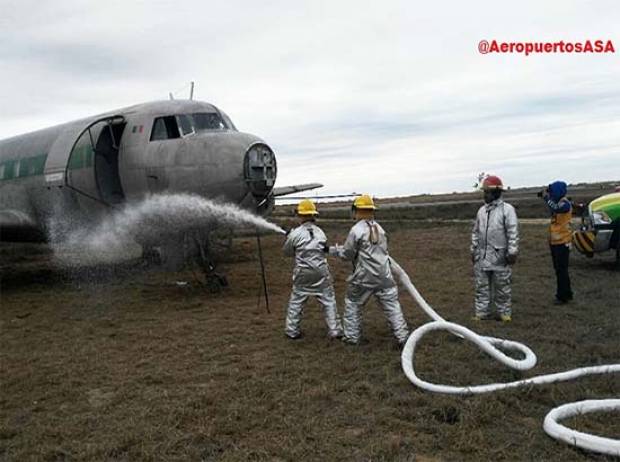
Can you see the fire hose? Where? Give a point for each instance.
(491, 346)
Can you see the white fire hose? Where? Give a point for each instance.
(490, 346)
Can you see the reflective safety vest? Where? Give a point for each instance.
(559, 229)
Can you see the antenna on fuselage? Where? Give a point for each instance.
(191, 91)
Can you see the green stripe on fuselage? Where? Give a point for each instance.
(30, 166)
(8, 169)
(13, 169)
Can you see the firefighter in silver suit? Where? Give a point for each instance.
(494, 249)
(366, 246)
(311, 275)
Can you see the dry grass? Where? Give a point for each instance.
(459, 206)
(122, 364)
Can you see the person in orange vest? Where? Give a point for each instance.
(560, 234)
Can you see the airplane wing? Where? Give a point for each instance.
(332, 196)
(285, 190)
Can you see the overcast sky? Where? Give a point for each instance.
(386, 97)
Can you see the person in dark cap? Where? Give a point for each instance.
(560, 235)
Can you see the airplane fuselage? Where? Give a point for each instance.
(85, 168)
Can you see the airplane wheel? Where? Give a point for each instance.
(151, 255)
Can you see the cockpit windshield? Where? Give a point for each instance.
(186, 127)
(201, 121)
(208, 121)
(170, 127)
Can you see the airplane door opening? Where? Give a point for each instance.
(106, 163)
(92, 168)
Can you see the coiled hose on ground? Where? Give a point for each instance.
(491, 345)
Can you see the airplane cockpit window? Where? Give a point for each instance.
(229, 123)
(169, 127)
(208, 121)
(185, 124)
(165, 128)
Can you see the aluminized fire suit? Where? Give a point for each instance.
(311, 277)
(366, 246)
(495, 236)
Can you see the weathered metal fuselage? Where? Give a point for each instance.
(83, 169)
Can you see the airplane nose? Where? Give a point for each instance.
(260, 170)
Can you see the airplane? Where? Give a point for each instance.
(90, 166)
(600, 228)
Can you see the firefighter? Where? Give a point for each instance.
(367, 247)
(494, 249)
(311, 275)
(560, 235)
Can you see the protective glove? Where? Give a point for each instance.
(325, 248)
(511, 258)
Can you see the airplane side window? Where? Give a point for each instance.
(164, 128)
(159, 130)
(171, 127)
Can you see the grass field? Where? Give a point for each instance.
(125, 364)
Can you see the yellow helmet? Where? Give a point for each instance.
(306, 207)
(364, 202)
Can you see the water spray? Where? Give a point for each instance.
(491, 345)
(152, 219)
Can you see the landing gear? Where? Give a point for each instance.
(151, 255)
(198, 251)
(205, 258)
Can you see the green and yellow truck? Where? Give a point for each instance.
(600, 228)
